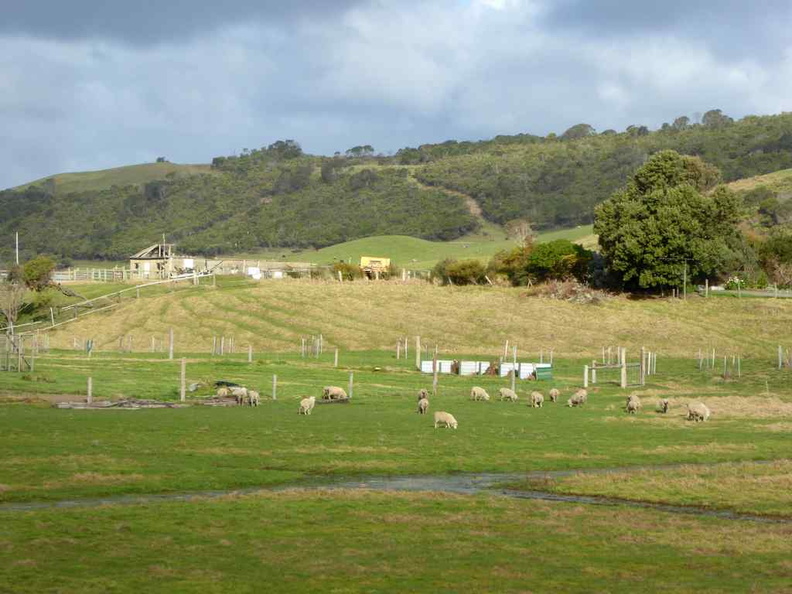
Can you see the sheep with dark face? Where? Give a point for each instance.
(423, 393)
(698, 412)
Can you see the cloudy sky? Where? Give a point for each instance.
(89, 84)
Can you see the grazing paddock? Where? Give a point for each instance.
(482, 541)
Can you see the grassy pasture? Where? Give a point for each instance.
(420, 254)
(305, 539)
(274, 315)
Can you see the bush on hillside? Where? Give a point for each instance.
(460, 272)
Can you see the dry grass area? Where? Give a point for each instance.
(744, 486)
(272, 316)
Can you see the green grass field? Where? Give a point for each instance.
(419, 254)
(778, 181)
(301, 537)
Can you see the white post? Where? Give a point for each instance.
(183, 388)
(585, 376)
(170, 344)
(52, 316)
(274, 387)
(418, 352)
(250, 353)
(90, 390)
(335, 358)
(351, 383)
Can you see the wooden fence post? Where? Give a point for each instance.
(434, 375)
(585, 376)
(623, 357)
(52, 316)
(183, 386)
(90, 390)
(398, 349)
(351, 383)
(250, 353)
(335, 358)
(274, 387)
(594, 372)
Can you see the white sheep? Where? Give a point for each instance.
(333, 393)
(423, 406)
(663, 405)
(575, 400)
(445, 419)
(254, 399)
(422, 394)
(307, 405)
(223, 392)
(633, 404)
(581, 395)
(240, 394)
(508, 394)
(554, 394)
(537, 400)
(479, 394)
(698, 412)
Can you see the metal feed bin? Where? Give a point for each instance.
(544, 371)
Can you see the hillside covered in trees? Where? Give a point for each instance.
(280, 197)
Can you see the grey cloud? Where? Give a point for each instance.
(731, 28)
(143, 22)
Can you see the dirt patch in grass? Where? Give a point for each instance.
(709, 448)
(562, 456)
(750, 407)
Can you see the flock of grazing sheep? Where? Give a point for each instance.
(696, 411)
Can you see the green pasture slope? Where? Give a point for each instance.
(419, 254)
(86, 181)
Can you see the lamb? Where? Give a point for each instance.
(445, 419)
(633, 404)
(537, 400)
(582, 395)
(554, 394)
(663, 405)
(307, 405)
(698, 412)
(422, 394)
(479, 394)
(508, 394)
(253, 398)
(423, 406)
(333, 393)
(223, 392)
(576, 400)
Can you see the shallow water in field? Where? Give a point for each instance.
(461, 484)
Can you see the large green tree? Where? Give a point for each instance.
(666, 221)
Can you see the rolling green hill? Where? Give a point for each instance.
(279, 197)
(419, 254)
(91, 181)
